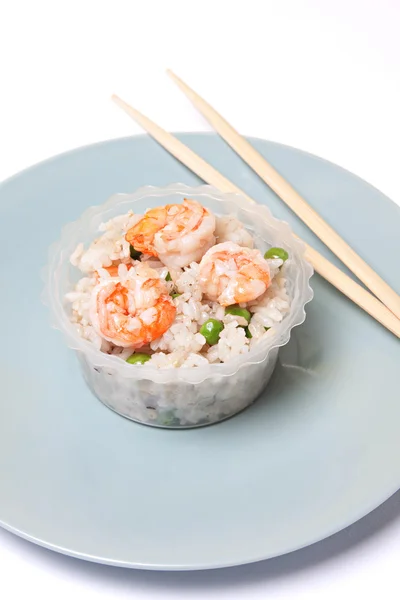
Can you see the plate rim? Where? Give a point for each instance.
(147, 566)
(183, 134)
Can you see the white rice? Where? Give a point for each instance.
(182, 345)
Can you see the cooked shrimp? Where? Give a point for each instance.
(230, 274)
(177, 233)
(134, 310)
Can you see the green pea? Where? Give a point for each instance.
(211, 330)
(239, 312)
(277, 253)
(175, 295)
(138, 358)
(168, 277)
(135, 254)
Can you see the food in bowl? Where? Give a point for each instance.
(177, 300)
(177, 287)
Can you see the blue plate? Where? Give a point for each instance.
(320, 450)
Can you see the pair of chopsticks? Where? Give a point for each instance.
(386, 312)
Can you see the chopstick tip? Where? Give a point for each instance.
(171, 74)
(117, 100)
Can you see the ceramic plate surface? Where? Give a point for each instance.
(318, 451)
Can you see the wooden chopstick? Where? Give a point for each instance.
(326, 269)
(293, 199)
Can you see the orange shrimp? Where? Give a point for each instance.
(141, 235)
(177, 234)
(132, 312)
(230, 274)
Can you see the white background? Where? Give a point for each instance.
(321, 75)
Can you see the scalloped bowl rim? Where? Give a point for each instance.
(60, 319)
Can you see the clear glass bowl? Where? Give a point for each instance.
(181, 397)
